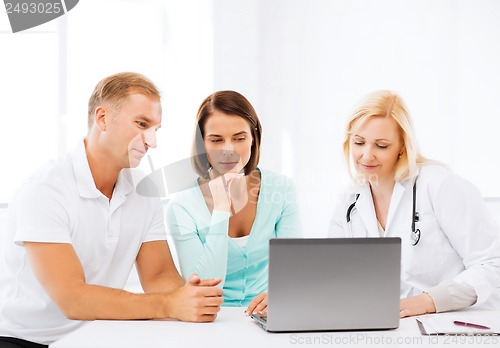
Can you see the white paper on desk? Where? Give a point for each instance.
(443, 324)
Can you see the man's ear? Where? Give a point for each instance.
(100, 116)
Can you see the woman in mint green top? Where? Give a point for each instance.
(222, 226)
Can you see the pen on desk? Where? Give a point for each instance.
(475, 326)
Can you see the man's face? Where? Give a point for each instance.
(131, 130)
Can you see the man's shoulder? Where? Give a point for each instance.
(53, 176)
(56, 170)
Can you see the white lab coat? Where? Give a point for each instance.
(459, 239)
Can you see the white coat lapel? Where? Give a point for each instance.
(366, 211)
(397, 195)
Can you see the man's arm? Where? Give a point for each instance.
(156, 268)
(60, 272)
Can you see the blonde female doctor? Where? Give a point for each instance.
(450, 244)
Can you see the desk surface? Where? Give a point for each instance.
(233, 329)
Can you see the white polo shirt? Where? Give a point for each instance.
(60, 204)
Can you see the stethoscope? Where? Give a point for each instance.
(415, 232)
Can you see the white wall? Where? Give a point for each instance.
(302, 63)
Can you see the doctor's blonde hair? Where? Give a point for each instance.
(387, 104)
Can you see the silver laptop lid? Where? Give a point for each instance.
(333, 284)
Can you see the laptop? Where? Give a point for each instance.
(333, 284)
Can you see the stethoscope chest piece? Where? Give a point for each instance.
(415, 237)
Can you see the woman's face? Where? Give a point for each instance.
(375, 148)
(228, 141)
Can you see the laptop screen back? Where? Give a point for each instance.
(334, 284)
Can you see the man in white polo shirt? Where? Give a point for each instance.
(78, 225)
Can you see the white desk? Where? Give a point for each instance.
(233, 329)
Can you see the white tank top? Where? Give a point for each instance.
(241, 241)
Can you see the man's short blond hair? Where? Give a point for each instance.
(114, 90)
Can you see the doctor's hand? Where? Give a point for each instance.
(258, 305)
(416, 305)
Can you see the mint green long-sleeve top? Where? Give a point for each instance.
(204, 247)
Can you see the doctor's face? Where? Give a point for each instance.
(375, 148)
(228, 141)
